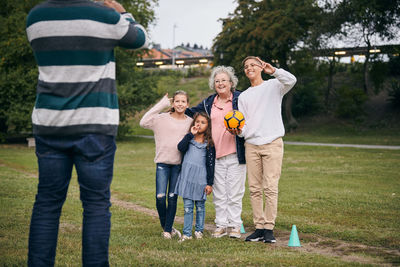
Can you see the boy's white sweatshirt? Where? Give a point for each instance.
(261, 106)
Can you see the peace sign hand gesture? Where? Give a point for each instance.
(267, 68)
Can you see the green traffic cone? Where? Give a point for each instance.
(242, 231)
(294, 238)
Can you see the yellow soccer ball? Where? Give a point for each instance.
(234, 120)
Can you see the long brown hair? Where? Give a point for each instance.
(179, 92)
(207, 133)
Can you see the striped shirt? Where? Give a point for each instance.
(73, 42)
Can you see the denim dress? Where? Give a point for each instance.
(193, 177)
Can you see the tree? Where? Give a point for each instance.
(18, 70)
(230, 46)
(271, 29)
(370, 19)
(320, 38)
(136, 89)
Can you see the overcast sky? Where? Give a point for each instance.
(196, 21)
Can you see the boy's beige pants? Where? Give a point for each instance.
(264, 164)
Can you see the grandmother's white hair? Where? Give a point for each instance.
(223, 69)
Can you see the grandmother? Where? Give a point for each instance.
(230, 164)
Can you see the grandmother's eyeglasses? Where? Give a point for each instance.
(221, 81)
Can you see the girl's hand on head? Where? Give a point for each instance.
(208, 189)
(170, 99)
(194, 130)
(267, 68)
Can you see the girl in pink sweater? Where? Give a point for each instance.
(169, 128)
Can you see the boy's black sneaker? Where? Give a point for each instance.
(269, 236)
(258, 235)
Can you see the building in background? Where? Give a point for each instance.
(184, 56)
(181, 56)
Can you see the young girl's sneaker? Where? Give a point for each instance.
(175, 232)
(198, 235)
(184, 238)
(166, 235)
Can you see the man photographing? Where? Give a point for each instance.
(76, 116)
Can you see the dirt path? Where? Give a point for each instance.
(320, 245)
(346, 251)
(319, 144)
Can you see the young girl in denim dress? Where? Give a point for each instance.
(197, 174)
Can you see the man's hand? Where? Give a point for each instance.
(267, 68)
(115, 5)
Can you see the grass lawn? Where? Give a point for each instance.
(328, 130)
(334, 196)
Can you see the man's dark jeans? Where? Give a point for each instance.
(93, 157)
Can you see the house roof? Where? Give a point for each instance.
(155, 54)
(180, 52)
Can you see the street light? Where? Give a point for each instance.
(173, 44)
(374, 50)
(340, 53)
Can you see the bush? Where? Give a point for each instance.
(135, 94)
(197, 72)
(306, 100)
(310, 86)
(378, 74)
(394, 65)
(350, 102)
(167, 81)
(394, 95)
(18, 71)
